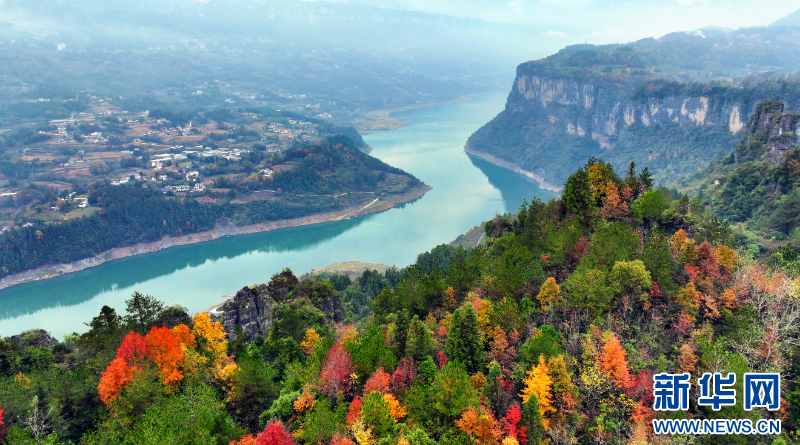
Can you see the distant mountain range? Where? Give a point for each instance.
(353, 54)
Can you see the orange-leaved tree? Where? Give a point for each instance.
(114, 378)
(167, 352)
(612, 361)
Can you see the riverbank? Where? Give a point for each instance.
(543, 183)
(380, 204)
(382, 120)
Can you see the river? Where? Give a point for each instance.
(467, 191)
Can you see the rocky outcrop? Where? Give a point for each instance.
(770, 134)
(251, 308)
(35, 338)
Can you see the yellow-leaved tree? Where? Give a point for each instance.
(539, 383)
(309, 341)
(548, 293)
(212, 343)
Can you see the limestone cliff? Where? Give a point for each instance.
(638, 103)
(604, 112)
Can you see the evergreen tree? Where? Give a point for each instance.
(532, 420)
(464, 340)
(420, 343)
(578, 198)
(400, 337)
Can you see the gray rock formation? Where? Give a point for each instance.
(251, 308)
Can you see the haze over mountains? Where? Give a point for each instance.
(348, 53)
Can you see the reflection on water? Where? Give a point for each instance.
(466, 192)
(127, 272)
(513, 188)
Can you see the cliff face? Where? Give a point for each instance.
(551, 126)
(759, 182)
(604, 112)
(672, 105)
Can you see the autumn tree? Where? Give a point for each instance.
(548, 293)
(310, 340)
(539, 383)
(403, 376)
(167, 352)
(336, 370)
(512, 426)
(379, 381)
(114, 378)
(612, 361)
(275, 434)
(354, 410)
(480, 425)
(565, 394)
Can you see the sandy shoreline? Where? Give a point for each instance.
(220, 230)
(543, 183)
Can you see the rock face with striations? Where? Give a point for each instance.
(650, 102)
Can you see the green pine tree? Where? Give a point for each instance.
(464, 343)
(400, 337)
(420, 343)
(532, 420)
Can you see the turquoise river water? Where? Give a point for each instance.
(467, 191)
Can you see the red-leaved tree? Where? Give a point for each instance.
(511, 424)
(275, 434)
(403, 375)
(134, 349)
(2, 427)
(336, 370)
(379, 381)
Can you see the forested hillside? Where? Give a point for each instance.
(550, 332)
(757, 183)
(329, 176)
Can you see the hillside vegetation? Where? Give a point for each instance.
(756, 184)
(549, 332)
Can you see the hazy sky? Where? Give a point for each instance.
(607, 21)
